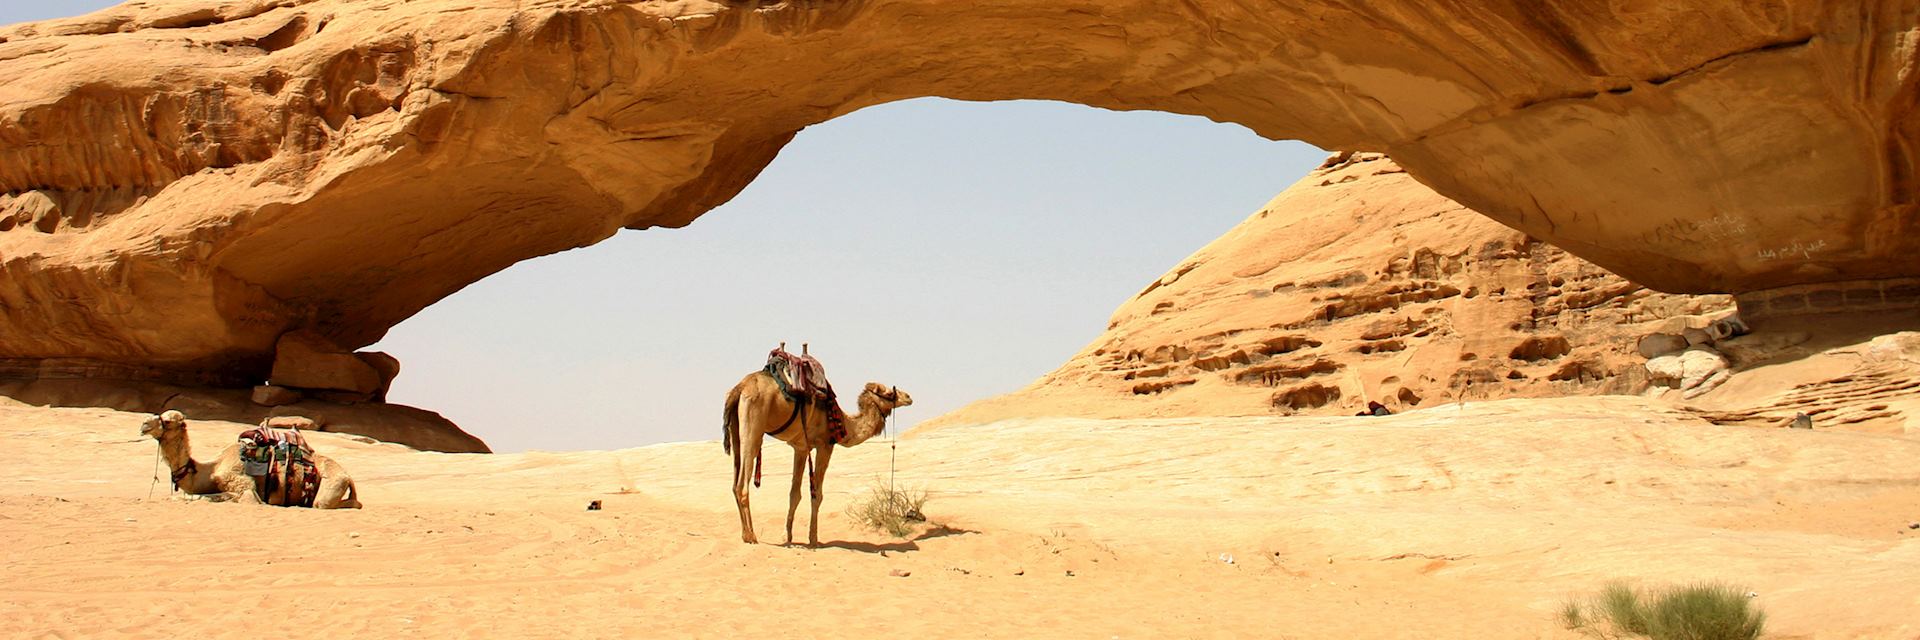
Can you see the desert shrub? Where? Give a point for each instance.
(894, 511)
(1705, 611)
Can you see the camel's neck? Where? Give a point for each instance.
(179, 455)
(871, 420)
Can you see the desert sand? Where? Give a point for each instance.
(1457, 521)
(221, 194)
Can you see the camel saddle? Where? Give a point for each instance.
(799, 376)
(281, 463)
(804, 381)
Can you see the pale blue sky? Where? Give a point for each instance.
(957, 250)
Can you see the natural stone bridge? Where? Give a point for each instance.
(183, 182)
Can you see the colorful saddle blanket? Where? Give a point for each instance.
(801, 376)
(281, 464)
(804, 380)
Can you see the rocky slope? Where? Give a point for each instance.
(183, 182)
(1359, 284)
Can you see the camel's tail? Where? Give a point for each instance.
(352, 499)
(730, 429)
(730, 422)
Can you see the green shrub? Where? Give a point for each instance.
(1620, 605)
(894, 511)
(1693, 612)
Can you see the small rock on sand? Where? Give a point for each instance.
(899, 573)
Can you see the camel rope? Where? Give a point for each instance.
(893, 452)
(156, 473)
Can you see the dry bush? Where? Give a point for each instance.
(894, 511)
(1706, 611)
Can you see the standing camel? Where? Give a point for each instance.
(757, 407)
(226, 478)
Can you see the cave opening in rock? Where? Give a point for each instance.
(955, 249)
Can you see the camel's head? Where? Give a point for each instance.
(890, 395)
(167, 421)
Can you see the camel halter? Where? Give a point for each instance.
(893, 447)
(178, 474)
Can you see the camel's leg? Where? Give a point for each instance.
(743, 477)
(793, 493)
(348, 496)
(819, 478)
(242, 495)
(333, 493)
(337, 490)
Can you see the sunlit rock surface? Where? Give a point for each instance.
(182, 182)
(1359, 285)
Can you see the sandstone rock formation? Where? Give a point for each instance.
(1841, 375)
(386, 366)
(306, 360)
(1355, 285)
(398, 424)
(267, 395)
(183, 182)
(1694, 370)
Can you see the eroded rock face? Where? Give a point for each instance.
(273, 396)
(183, 182)
(398, 424)
(1694, 371)
(305, 360)
(1360, 285)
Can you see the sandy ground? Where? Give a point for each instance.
(1450, 522)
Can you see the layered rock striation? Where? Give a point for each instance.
(1359, 285)
(183, 182)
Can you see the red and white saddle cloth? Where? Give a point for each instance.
(281, 464)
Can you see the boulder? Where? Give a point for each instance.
(1694, 371)
(340, 397)
(1728, 328)
(1695, 336)
(1894, 347)
(308, 360)
(1659, 344)
(267, 395)
(388, 367)
(398, 424)
(293, 422)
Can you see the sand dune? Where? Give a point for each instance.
(1455, 521)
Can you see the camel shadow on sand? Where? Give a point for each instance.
(903, 546)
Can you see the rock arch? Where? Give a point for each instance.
(181, 184)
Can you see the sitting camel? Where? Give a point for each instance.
(756, 407)
(226, 478)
